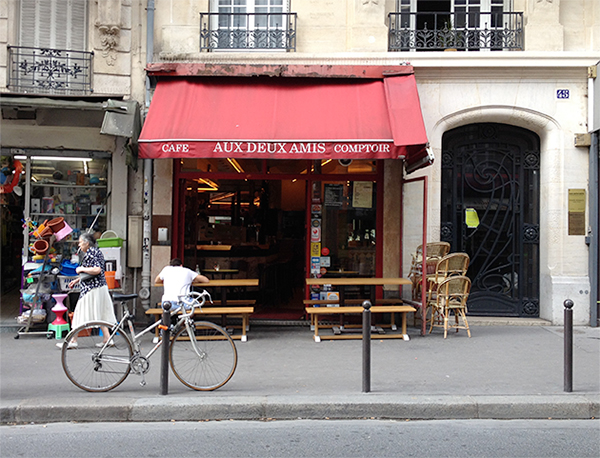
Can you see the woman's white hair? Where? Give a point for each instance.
(88, 237)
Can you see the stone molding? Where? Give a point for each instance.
(109, 39)
(109, 28)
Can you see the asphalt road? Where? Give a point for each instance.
(306, 438)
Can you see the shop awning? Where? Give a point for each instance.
(286, 118)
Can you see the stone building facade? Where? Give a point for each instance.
(532, 78)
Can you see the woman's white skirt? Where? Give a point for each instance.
(96, 305)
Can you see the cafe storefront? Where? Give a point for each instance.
(284, 178)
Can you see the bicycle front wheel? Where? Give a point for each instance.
(207, 360)
(92, 366)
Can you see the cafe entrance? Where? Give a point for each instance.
(279, 221)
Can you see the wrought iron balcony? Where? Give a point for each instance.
(49, 71)
(466, 31)
(268, 31)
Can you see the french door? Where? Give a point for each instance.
(490, 210)
(250, 23)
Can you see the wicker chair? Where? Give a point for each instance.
(435, 251)
(450, 265)
(451, 297)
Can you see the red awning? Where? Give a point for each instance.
(286, 118)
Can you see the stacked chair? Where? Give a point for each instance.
(448, 291)
(434, 252)
(451, 296)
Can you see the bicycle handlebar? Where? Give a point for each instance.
(192, 301)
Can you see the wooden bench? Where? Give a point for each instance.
(315, 312)
(325, 302)
(242, 308)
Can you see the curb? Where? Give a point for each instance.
(400, 407)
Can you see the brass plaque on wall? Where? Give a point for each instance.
(576, 211)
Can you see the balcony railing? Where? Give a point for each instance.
(246, 31)
(49, 71)
(467, 31)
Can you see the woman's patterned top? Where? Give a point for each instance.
(93, 258)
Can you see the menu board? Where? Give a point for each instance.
(362, 195)
(334, 195)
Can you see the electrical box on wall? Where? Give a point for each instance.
(135, 227)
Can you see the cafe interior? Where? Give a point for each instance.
(280, 221)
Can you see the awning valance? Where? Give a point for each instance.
(286, 118)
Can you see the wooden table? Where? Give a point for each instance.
(314, 312)
(243, 307)
(342, 283)
(225, 283)
(244, 312)
(357, 281)
(223, 272)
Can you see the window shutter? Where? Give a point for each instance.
(59, 24)
(78, 25)
(28, 26)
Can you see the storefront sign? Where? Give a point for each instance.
(280, 150)
(360, 149)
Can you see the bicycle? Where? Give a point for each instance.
(202, 355)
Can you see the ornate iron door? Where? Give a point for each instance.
(490, 210)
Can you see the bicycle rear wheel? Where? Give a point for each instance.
(205, 362)
(92, 367)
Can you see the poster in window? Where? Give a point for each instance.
(362, 195)
(315, 250)
(334, 195)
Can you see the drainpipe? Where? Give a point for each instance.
(592, 237)
(148, 172)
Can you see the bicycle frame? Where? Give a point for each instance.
(135, 338)
(201, 354)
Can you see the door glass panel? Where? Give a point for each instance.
(345, 212)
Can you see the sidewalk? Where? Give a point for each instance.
(501, 372)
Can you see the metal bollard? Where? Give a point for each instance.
(568, 331)
(366, 338)
(165, 328)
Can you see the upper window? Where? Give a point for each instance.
(51, 57)
(465, 25)
(56, 24)
(248, 24)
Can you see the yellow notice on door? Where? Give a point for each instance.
(471, 218)
(315, 249)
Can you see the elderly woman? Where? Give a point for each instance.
(95, 303)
